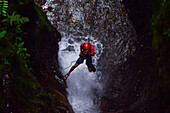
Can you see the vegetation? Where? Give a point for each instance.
(160, 23)
(160, 27)
(18, 85)
(3, 7)
(11, 37)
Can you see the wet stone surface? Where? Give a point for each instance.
(108, 21)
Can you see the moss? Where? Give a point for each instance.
(23, 79)
(23, 86)
(43, 21)
(25, 89)
(25, 93)
(160, 22)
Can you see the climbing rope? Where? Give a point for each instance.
(69, 65)
(92, 28)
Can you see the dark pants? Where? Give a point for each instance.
(88, 60)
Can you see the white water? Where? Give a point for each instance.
(82, 85)
(112, 28)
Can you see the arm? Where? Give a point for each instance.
(92, 53)
(81, 47)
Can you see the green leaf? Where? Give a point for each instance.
(5, 6)
(4, 11)
(19, 28)
(6, 61)
(167, 32)
(21, 44)
(17, 16)
(24, 20)
(4, 14)
(5, 20)
(19, 38)
(18, 52)
(13, 14)
(2, 34)
(11, 21)
(18, 21)
(5, 1)
(24, 49)
(28, 55)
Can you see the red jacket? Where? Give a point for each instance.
(91, 49)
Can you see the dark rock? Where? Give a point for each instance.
(41, 40)
(42, 43)
(138, 80)
(41, 2)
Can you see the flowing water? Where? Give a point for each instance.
(83, 87)
(103, 23)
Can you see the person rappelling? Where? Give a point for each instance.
(86, 52)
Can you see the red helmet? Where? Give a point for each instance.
(87, 46)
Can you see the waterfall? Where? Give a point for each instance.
(83, 86)
(115, 34)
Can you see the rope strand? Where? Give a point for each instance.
(69, 65)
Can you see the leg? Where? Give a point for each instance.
(92, 69)
(90, 65)
(79, 61)
(72, 68)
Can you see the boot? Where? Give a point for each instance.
(93, 68)
(65, 77)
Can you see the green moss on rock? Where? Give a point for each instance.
(160, 23)
(35, 91)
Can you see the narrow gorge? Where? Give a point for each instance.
(131, 40)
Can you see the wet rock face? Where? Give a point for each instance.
(129, 85)
(32, 84)
(143, 19)
(140, 13)
(41, 2)
(119, 39)
(133, 86)
(42, 43)
(108, 21)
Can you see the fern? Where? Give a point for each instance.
(3, 7)
(2, 34)
(16, 18)
(167, 32)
